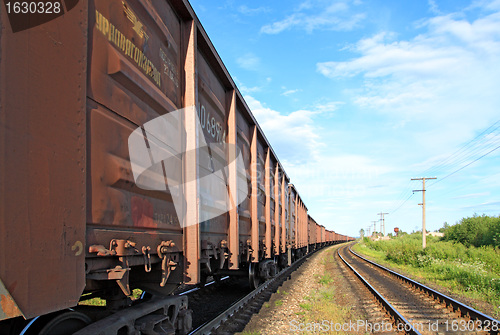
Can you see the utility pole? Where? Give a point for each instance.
(423, 179)
(382, 223)
(369, 228)
(374, 226)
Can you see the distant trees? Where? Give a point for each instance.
(443, 229)
(476, 231)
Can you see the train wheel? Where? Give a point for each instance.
(253, 275)
(68, 322)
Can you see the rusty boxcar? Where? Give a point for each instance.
(311, 231)
(83, 93)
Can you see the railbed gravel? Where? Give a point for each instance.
(274, 319)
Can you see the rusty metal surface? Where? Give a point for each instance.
(237, 182)
(285, 212)
(42, 162)
(311, 230)
(277, 209)
(135, 58)
(269, 208)
(8, 307)
(292, 225)
(191, 231)
(254, 212)
(212, 112)
(114, 200)
(82, 85)
(244, 137)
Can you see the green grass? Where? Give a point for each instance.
(306, 306)
(136, 294)
(282, 292)
(469, 271)
(326, 279)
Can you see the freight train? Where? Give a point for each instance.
(129, 159)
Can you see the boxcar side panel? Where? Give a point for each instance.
(244, 138)
(134, 82)
(42, 164)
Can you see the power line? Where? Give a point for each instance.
(481, 145)
(394, 211)
(485, 147)
(463, 167)
(403, 195)
(464, 150)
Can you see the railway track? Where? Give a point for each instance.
(235, 318)
(412, 307)
(208, 302)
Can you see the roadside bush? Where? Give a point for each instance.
(477, 231)
(404, 251)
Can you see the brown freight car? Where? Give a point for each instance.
(93, 101)
(311, 230)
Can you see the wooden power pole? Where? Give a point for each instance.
(424, 242)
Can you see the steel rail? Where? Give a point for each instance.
(396, 316)
(212, 326)
(195, 289)
(457, 306)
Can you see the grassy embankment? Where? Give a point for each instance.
(467, 271)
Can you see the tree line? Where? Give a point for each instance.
(476, 231)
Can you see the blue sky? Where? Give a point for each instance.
(357, 97)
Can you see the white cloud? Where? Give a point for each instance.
(321, 172)
(472, 195)
(417, 59)
(243, 9)
(433, 7)
(247, 90)
(440, 89)
(443, 82)
(292, 136)
(313, 15)
(244, 89)
(249, 61)
(327, 107)
(488, 4)
(278, 27)
(337, 176)
(486, 207)
(290, 92)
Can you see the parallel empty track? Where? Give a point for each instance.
(423, 310)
